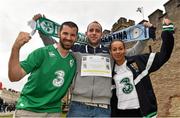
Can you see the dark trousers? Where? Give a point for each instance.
(126, 113)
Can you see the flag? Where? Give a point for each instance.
(139, 9)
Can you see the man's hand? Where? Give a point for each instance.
(147, 24)
(36, 17)
(22, 38)
(152, 30)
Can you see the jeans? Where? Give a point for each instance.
(78, 109)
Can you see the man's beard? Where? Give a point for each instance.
(64, 47)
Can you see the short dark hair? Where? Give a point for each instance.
(70, 24)
(115, 41)
(95, 23)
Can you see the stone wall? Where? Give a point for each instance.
(166, 81)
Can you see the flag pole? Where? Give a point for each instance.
(141, 10)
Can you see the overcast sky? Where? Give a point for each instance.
(14, 15)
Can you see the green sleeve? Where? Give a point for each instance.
(33, 61)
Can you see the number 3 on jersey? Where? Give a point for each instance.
(128, 87)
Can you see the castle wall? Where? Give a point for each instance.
(166, 81)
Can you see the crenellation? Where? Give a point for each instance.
(122, 23)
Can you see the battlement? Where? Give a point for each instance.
(122, 23)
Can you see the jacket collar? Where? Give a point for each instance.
(87, 47)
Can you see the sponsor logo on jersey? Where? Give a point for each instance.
(135, 66)
(59, 80)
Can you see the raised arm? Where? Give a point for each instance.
(15, 71)
(140, 45)
(47, 40)
(166, 48)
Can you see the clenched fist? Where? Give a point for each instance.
(23, 37)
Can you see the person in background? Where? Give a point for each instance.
(133, 94)
(51, 70)
(91, 94)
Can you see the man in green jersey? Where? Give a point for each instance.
(51, 69)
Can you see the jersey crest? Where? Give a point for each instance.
(71, 62)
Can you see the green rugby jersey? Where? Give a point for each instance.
(50, 77)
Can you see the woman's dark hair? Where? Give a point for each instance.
(115, 41)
